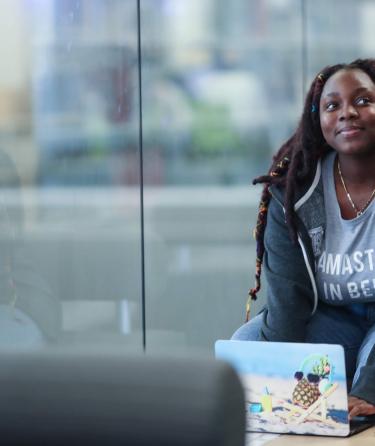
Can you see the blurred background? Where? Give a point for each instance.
(132, 201)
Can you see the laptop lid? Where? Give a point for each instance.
(291, 387)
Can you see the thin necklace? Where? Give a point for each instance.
(357, 211)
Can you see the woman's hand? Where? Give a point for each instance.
(360, 407)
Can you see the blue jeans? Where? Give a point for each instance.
(332, 325)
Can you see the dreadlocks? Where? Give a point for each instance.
(295, 162)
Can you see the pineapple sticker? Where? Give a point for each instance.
(308, 389)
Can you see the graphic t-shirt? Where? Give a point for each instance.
(345, 263)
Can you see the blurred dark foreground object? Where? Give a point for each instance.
(110, 399)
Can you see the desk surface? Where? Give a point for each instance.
(365, 438)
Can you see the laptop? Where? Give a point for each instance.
(293, 388)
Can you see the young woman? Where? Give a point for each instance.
(315, 231)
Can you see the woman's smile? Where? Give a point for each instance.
(349, 132)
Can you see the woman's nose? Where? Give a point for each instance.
(348, 112)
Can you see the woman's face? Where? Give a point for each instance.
(347, 112)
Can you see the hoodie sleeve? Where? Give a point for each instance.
(289, 294)
(364, 387)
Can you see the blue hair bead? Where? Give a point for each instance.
(313, 108)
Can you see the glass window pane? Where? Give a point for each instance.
(222, 86)
(338, 31)
(68, 133)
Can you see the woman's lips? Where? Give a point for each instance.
(349, 132)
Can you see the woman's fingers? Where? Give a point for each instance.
(358, 407)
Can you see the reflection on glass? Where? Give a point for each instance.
(69, 129)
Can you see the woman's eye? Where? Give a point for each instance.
(363, 101)
(330, 106)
